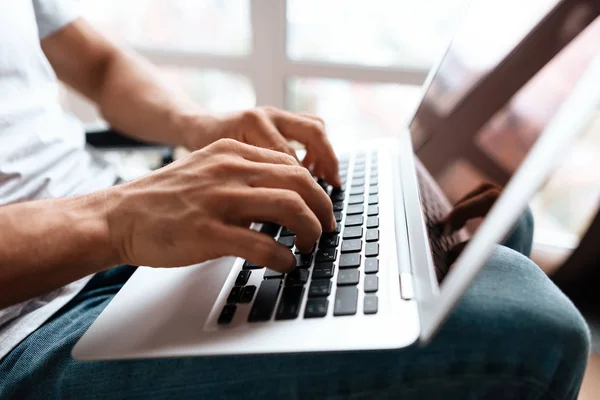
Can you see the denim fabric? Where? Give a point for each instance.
(514, 335)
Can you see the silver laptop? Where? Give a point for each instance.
(373, 285)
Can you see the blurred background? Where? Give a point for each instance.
(360, 69)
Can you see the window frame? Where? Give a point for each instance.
(267, 64)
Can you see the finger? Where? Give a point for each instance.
(270, 138)
(475, 207)
(311, 133)
(313, 117)
(254, 153)
(299, 180)
(255, 247)
(477, 191)
(281, 206)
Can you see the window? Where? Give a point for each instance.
(359, 65)
(232, 54)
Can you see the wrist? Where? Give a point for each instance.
(196, 129)
(104, 227)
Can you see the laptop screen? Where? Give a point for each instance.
(488, 102)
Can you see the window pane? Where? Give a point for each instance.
(207, 26)
(353, 111)
(214, 90)
(388, 33)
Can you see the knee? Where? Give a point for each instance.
(523, 319)
(521, 237)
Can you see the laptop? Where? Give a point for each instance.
(372, 284)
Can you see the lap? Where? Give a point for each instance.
(513, 332)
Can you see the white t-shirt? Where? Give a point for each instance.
(42, 148)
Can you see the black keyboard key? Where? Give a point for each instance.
(345, 301)
(373, 222)
(322, 183)
(270, 229)
(348, 277)
(353, 232)
(338, 195)
(371, 265)
(373, 210)
(289, 305)
(251, 265)
(337, 230)
(324, 255)
(351, 246)
(323, 271)
(303, 260)
(373, 199)
(319, 288)
(358, 182)
(264, 304)
(373, 190)
(316, 308)
(329, 241)
(356, 199)
(247, 294)
(234, 295)
(242, 278)
(271, 274)
(286, 232)
(338, 216)
(374, 181)
(287, 241)
(227, 314)
(297, 277)
(354, 220)
(372, 235)
(370, 304)
(338, 206)
(351, 260)
(371, 283)
(357, 190)
(355, 209)
(372, 249)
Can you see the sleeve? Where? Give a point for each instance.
(51, 15)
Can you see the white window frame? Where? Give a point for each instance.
(268, 66)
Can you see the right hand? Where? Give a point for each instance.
(475, 204)
(200, 207)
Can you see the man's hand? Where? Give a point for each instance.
(199, 208)
(270, 128)
(475, 204)
(134, 98)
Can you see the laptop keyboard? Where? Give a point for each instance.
(439, 243)
(352, 249)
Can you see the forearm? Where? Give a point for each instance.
(135, 98)
(47, 244)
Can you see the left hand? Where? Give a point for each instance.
(272, 128)
(475, 204)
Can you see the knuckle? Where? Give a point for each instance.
(302, 176)
(226, 144)
(294, 203)
(269, 110)
(252, 117)
(287, 159)
(318, 130)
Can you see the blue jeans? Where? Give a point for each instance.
(513, 335)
